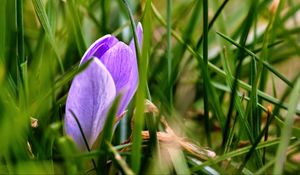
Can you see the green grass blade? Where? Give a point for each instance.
(121, 162)
(151, 120)
(77, 32)
(169, 51)
(211, 23)
(140, 96)
(106, 137)
(266, 64)
(287, 130)
(42, 15)
(205, 70)
(235, 153)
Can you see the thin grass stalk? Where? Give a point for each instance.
(287, 130)
(236, 153)
(256, 142)
(20, 51)
(262, 74)
(269, 115)
(211, 23)
(2, 32)
(169, 55)
(257, 58)
(104, 16)
(76, 26)
(139, 100)
(205, 66)
(106, 137)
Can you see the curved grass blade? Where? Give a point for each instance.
(83, 136)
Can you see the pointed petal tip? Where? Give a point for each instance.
(139, 31)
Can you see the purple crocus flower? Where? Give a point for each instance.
(113, 70)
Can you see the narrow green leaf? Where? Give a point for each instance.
(121, 162)
(106, 136)
(266, 64)
(287, 129)
(206, 80)
(42, 16)
(235, 153)
(77, 31)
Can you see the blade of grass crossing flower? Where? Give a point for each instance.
(139, 100)
(83, 136)
(42, 16)
(106, 137)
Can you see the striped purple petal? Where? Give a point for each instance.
(99, 47)
(90, 96)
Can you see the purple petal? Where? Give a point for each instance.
(121, 63)
(90, 96)
(99, 47)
